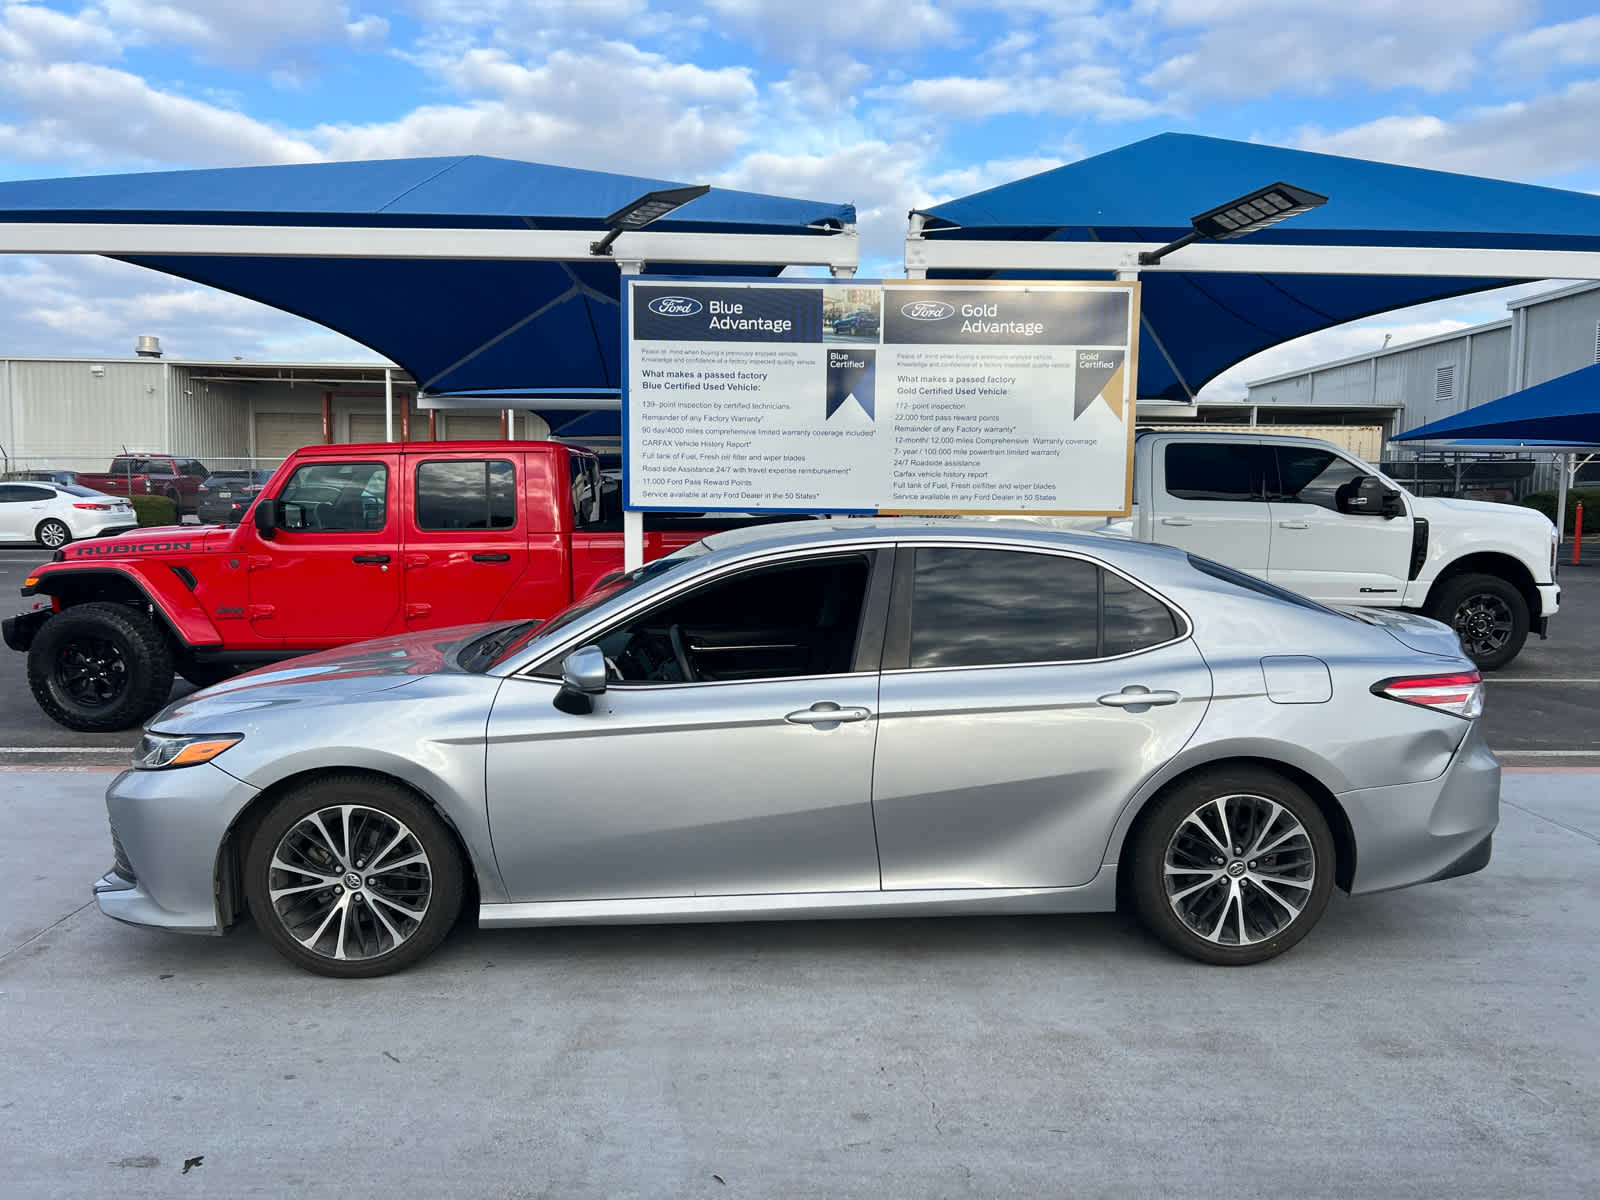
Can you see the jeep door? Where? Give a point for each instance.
(466, 540)
(331, 572)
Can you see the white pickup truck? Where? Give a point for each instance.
(1313, 518)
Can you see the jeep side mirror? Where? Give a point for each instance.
(265, 515)
(583, 676)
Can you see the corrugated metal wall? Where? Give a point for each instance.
(1560, 336)
(80, 412)
(210, 420)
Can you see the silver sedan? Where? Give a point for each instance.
(847, 719)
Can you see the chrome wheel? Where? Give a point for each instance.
(349, 882)
(53, 534)
(1239, 870)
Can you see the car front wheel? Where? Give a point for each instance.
(1233, 866)
(353, 877)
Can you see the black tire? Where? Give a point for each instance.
(1489, 615)
(204, 674)
(1232, 909)
(52, 534)
(101, 666)
(364, 914)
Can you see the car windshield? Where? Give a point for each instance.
(494, 648)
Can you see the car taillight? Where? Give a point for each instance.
(96, 507)
(1460, 693)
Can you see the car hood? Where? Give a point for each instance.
(328, 676)
(154, 539)
(1415, 632)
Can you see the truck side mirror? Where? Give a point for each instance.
(583, 676)
(265, 515)
(1369, 496)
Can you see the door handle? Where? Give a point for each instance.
(1134, 696)
(826, 712)
(1176, 521)
(1294, 524)
(491, 558)
(369, 558)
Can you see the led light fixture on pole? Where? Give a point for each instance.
(1266, 206)
(651, 206)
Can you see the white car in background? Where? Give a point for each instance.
(54, 514)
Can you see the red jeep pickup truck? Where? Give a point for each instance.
(167, 475)
(344, 543)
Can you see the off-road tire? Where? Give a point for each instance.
(1198, 896)
(1489, 615)
(99, 667)
(291, 852)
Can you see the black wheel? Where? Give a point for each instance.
(204, 674)
(53, 534)
(100, 666)
(1233, 866)
(352, 877)
(1489, 615)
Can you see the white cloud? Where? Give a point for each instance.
(112, 117)
(653, 116)
(951, 185)
(803, 32)
(1257, 47)
(1094, 90)
(1574, 43)
(242, 31)
(1527, 139)
(30, 32)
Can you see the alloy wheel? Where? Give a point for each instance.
(92, 671)
(1484, 623)
(350, 882)
(1239, 870)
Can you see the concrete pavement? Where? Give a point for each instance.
(1434, 1041)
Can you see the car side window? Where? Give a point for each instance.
(475, 494)
(335, 498)
(10, 493)
(1217, 471)
(1307, 475)
(765, 623)
(979, 607)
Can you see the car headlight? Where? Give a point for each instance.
(158, 751)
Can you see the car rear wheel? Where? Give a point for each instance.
(1233, 867)
(101, 666)
(1489, 615)
(53, 534)
(353, 877)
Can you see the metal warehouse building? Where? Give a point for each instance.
(75, 413)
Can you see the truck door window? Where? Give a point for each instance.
(335, 498)
(1217, 471)
(588, 489)
(1310, 476)
(475, 494)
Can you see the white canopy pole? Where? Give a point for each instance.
(388, 405)
(632, 518)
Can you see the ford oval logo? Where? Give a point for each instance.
(928, 310)
(674, 306)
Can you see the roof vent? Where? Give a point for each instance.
(149, 346)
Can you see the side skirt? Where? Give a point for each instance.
(1098, 895)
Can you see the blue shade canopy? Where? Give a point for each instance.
(454, 324)
(1205, 322)
(1564, 411)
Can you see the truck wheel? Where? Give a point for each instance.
(1489, 615)
(101, 666)
(52, 534)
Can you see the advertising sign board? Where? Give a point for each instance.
(879, 396)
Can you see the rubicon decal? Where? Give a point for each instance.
(96, 550)
(928, 310)
(675, 306)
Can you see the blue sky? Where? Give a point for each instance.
(889, 104)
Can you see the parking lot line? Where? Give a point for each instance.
(63, 750)
(1593, 753)
(1493, 679)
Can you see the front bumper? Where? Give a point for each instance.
(1549, 605)
(170, 826)
(20, 630)
(1420, 832)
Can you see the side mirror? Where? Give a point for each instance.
(583, 676)
(265, 515)
(1393, 505)
(1367, 496)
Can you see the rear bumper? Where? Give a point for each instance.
(1420, 832)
